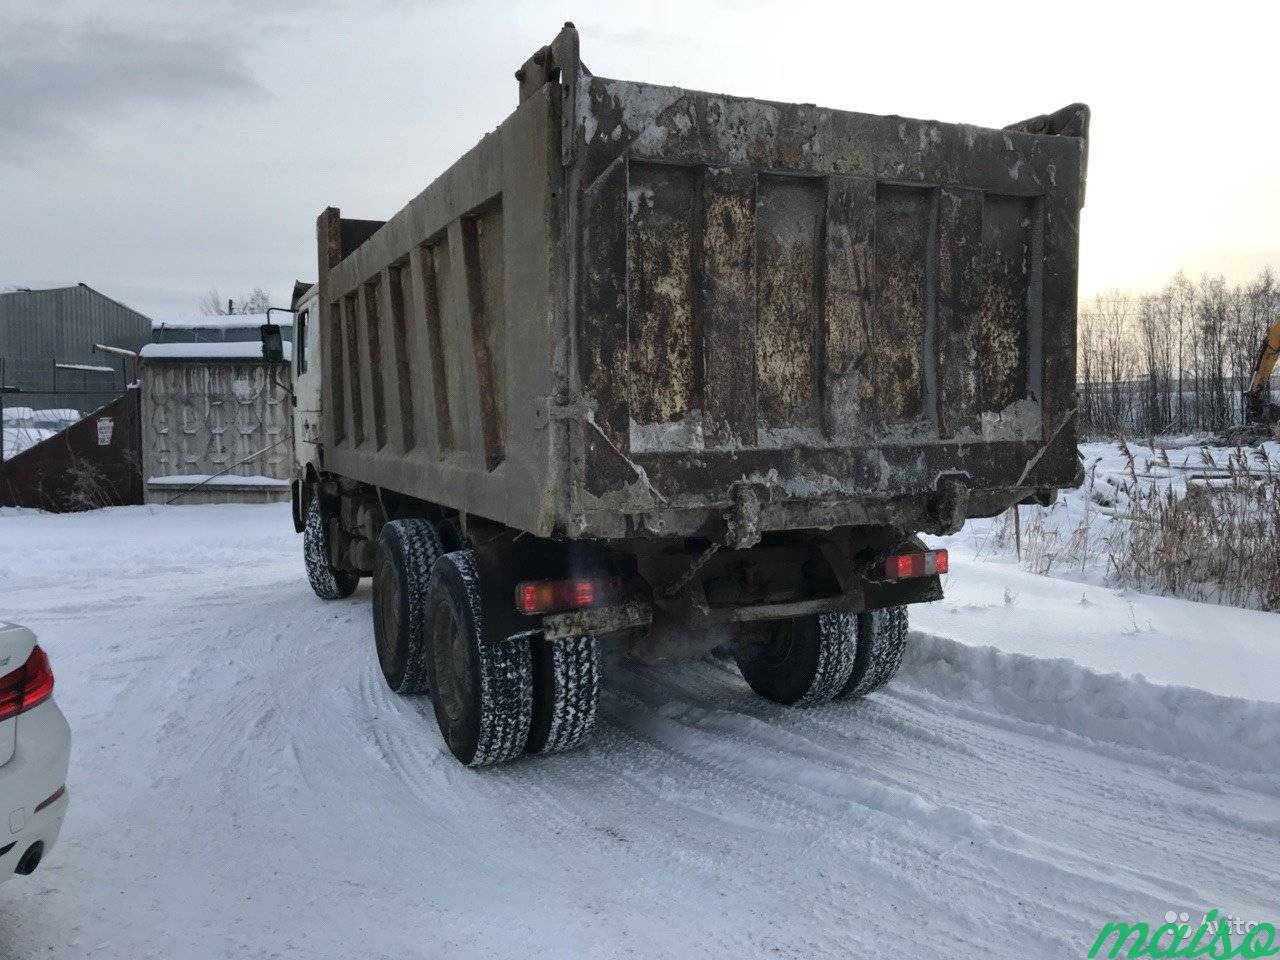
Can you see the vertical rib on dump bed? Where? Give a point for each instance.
(633, 303)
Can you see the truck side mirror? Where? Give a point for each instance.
(272, 343)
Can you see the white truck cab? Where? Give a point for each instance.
(305, 371)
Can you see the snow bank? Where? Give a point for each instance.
(1184, 722)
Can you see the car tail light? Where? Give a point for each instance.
(28, 686)
(548, 596)
(904, 566)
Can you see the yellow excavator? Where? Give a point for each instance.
(1261, 415)
(1257, 409)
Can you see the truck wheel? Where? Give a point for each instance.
(802, 661)
(882, 640)
(566, 692)
(407, 550)
(482, 689)
(328, 582)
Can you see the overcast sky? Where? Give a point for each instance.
(157, 149)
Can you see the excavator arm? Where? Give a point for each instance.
(1256, 410)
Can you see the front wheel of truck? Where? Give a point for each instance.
(800, 662)
(328, 582)
(481, 688)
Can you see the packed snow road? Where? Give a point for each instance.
(243, 785)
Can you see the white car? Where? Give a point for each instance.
(35, 748)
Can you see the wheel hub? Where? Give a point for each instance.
(452, 678)
(387, 610)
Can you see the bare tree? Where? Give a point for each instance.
(256, 302)
(1173, 361)
(212, 303)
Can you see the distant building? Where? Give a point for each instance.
(216, 423)
(231, 328)
(46, 346)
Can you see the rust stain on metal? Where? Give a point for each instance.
(848, 305)
(789, 218)
(959, 303)
(661, 334)
(902, 247)
(1003, 273)
(728, 306)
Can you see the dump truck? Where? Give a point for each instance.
(651, 372)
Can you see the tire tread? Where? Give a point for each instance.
(882, 642)
(328, 583)
(567, 692)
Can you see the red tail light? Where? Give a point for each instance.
(28, 686)
(904, 566)
(548, 596)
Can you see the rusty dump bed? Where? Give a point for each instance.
(633, 308)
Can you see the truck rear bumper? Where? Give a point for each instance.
(597, 620)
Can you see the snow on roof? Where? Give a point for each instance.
(87, 367)
(222, 322)
(246, 350)
(56, 413)
(18, 413)
(221, 480)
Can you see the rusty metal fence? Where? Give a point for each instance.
(96, 462)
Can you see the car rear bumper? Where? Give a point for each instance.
(35, 773)
(42, 828)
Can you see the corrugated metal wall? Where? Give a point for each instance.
(65, 323)
(40, 329)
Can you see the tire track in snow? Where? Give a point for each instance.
(970, 809)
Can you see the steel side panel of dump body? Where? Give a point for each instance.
(832, 309)
(631, 304)
(441, 330)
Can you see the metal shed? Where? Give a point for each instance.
(215, 424)
(46, 346)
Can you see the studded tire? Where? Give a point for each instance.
(482, 689)
(882, 641)
(801, 662)
(566, 693)
(407, 550)
(328, 582)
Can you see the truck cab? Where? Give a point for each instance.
(304, 370)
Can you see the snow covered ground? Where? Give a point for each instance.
(1077, 613)
(244, 785)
